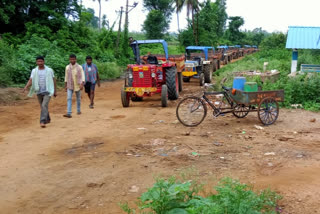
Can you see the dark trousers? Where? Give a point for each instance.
(44, 105)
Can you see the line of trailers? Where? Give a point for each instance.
(164, 74)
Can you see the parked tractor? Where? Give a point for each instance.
(247, 49)
(255, 48)
(200, 63)
(235, 52)
(153, 76)
(241, 50)
(225, 54)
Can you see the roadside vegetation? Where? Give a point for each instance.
(172, 196)
(302, 89)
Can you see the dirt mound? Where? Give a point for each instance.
(10, 96)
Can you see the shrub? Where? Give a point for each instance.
(109, 70)
(175, 197)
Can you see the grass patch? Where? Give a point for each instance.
(173, 196)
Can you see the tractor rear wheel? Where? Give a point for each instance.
(207, 73)
(201, 79)
(125, 98)
(172, 83)
(180, 81)
(164, 96)
(186, 79)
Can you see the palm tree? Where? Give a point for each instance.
(99, 1)
(193, 6)
(179, 6)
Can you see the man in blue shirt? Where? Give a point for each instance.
(92, 78)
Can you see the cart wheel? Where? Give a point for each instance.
(241, 111)
(268, 111)
(191, 111)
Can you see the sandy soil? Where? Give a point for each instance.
(88, 164)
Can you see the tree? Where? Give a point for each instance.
(207, 26)
(178, 6)
(158, 18)
(155, 25)
(99, 1)
(233, 33)
(105, 22)
(94, 21)
(53, 14)
(222, 17)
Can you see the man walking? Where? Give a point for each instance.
(74, 81)
(92, 77)
(44, 85)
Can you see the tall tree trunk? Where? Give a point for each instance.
(99, 14)
(178, 21)
(197, 31)
(193, 27)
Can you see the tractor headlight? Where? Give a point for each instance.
(153, 75)
(130, 76)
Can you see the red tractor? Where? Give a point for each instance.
(153, 76)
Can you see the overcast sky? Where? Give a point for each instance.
(271, 15)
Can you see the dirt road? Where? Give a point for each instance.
(88, 164)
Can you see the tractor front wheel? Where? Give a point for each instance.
(172, 83)
(125, 98)
(164, 96)
(201, 79)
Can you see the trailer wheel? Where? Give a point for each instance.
(125, 98)
(164, 96)
(172, 83)
(207, 74)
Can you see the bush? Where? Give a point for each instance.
(7, 62)
(109, 70)
(175, 197)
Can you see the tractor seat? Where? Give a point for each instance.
(152, 60)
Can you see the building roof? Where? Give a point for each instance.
(303, 37)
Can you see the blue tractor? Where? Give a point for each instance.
(200, 63)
